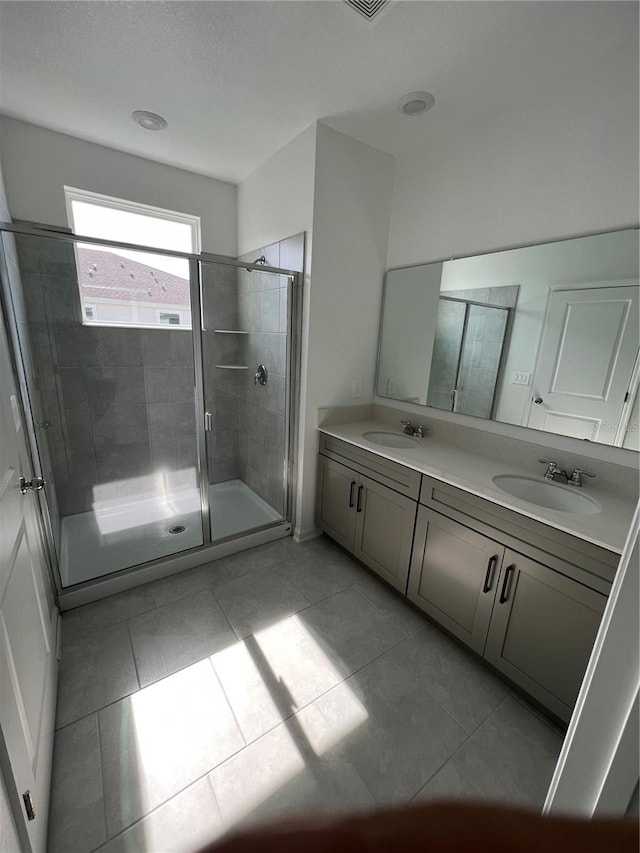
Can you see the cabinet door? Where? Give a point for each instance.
(337, 487)
(454, 574)
(384, 531)
(542, 631)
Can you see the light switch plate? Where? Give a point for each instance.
(356, 388)
(520, 377)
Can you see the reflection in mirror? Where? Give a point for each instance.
(544, 337)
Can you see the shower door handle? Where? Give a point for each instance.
(208, 421)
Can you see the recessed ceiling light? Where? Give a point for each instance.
(416, 103)
(149, 121)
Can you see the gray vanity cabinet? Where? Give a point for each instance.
(454, 575)
(384, 531)
(542, 631)
(372, 521)
(337, 486)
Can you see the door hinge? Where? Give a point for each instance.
(626, 397)
(28, 805)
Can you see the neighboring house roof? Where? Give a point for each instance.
(105, 275)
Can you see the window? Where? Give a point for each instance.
(127, 287)
(168, 319)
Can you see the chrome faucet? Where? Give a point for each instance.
(575, 478)
(418, 430)
(559, 475)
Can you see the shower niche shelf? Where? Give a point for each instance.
(233, 366)
(230, 332)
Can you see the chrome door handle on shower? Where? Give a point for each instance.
(261, 376)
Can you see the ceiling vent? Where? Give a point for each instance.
(367, 8)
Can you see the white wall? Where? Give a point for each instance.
(275, 202)
(37, 163)
(352, 208)
(564, 168)
(555, 169)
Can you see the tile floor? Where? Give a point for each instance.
(280, 680)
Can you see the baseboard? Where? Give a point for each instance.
(301, 536)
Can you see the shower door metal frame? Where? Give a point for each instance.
(77, 594)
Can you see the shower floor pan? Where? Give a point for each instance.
(95, 544)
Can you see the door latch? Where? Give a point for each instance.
(37, 484)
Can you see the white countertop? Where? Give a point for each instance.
(473, 472)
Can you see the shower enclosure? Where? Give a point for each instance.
(160, 391)
(468, 350)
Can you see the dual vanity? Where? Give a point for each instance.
(463, 523)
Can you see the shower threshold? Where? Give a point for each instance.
(97, 544)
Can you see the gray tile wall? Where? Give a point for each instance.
(262, 311)
(120, 401)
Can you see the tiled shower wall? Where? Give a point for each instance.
(119, 401)
(262, 311)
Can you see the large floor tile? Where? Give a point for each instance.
(178, 634)
(283, 774)
(76, 810)
(449, 783)
(512, 755)
(186, 583)
(274, 555)
(350, 630)
(389, 602)
(320, 569)
(106, 612)
(162, 739)
(456, 680)
(95, 670)
(394, 734)
(272, 675)
(260, 599)
(185, 823)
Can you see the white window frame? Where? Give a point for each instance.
(72, 194)
(99, 200)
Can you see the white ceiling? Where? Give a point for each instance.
(237, 80)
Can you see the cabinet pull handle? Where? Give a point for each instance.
(353, 482)
(504, 593)
(360, 491)
(488, 578)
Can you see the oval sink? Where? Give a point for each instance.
(549, 495)
(390, 439)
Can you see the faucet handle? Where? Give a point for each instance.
(575, 478)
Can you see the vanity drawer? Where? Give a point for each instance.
(391, 474)
(588, 564)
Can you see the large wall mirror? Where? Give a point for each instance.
(545, 337)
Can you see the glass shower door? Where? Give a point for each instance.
(245, 322)
(112, 359)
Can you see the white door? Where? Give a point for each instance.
(585, 364)
(28, 624)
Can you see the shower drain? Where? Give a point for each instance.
(177, 528)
